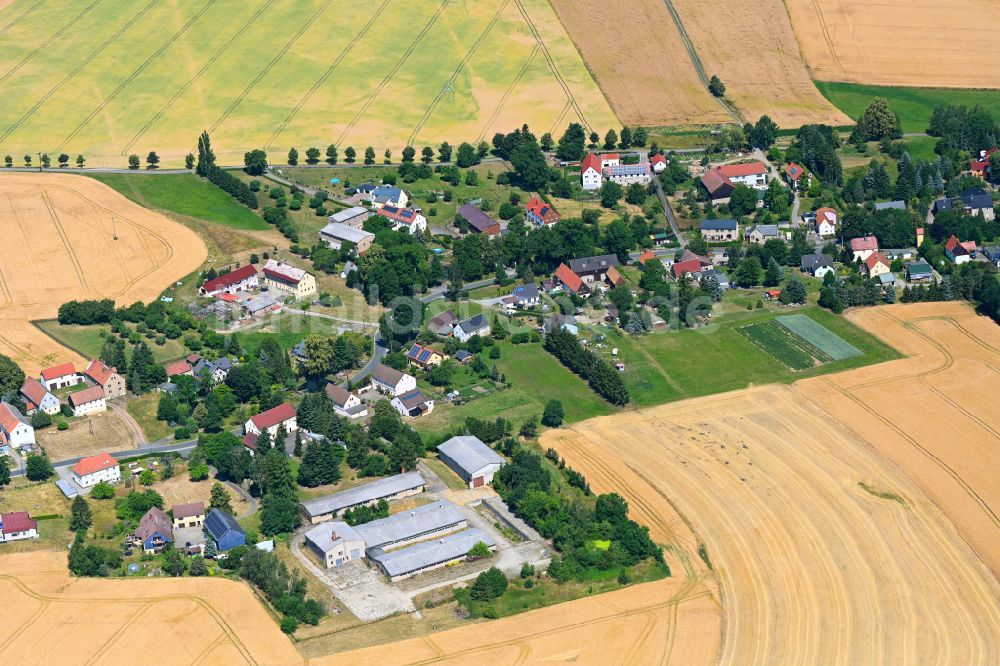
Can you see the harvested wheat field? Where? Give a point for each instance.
(666, 622)
(87, 436)
(638, 58)
(900, 42)
(813, 567)
(59, 244)
(51, 618)
(934, 415)
(751, 47)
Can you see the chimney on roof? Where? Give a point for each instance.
(333, 534)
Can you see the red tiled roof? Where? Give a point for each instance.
(230, 278)
(685, 267)
(570, 279)
(99, 371)
(178, 368)
(875, 258)
(86, 395)
(8, 418)
(33, 390)
(773, 293)
(969, 245)
(274, 416)
(952, 243)
(57, 371)
(794, 171)
(610, 156)
(713, 181)
(614, 277)
(92, 464)
(658, 159)
(546, 213)
(591, 162)
(737, 170)
(823, 215)
(646, 256)
(979, 165)
(864, 243)
(17, 521)
(250, 441)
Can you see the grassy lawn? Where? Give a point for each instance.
(914, 105)
(143, 410)
(38, 499)
(446, 474)
(185, 194)
(717, 359)
(87, 340)
(289, 328)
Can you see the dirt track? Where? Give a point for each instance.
(59, 245)
(50, 618)
(900, 42)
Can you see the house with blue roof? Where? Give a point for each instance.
(720, 231)
(389, 195)
(224, 530)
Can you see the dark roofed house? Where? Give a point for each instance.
(716, 231)
(718, 186)
(154, 530)
(469, 328)
(919, 271)
(817, 265)
(224, 530)
(593, 269)
(479, 221)
(442, 324)
(412, 403)
(526, 295)
(345, 403)
(239, 280)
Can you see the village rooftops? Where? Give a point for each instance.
(274, 416)
(525, 292)
(384, 193)
(591, 161)
(794, 171)
(99, 371)
(810, 262)
(399, 215)
(568, 278)
(364, 494)
(57, 371)
(628, 169)
(474, 323)
(10, 417)
(338, 395)
(92, 464)
(742, 170)
(283, 272)
(348, 214)
(387, 375)
(230, 278)
(597, 264)
(92, 394)
(412, 399)
(17, 521)
(33, 390)
(542, 211)
(407, 525)
(188, 510)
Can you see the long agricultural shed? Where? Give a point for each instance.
(391, 488)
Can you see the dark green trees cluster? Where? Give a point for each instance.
(206, 168)
(603, 379)
(287, 591)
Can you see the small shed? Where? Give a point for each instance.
(471, 459)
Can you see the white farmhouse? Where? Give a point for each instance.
(15, 431)
(17, 525)
(94, 469)
(392, 382)
(88, 401)
(38, 398)
(60, 376)
(269, 421)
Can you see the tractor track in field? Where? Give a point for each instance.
(392, 72)
(28, 11)
(76, 70)
(458, 70)
(75, 260)
(552, 64)
(125, 626)
(508, 92)
(190, 82)
(326, 75)
(135, 74)
(270, 65)
(41, 47)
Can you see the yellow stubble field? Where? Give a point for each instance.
(900, 42)
(60, 244)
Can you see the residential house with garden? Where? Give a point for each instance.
(825, 223)
(88, 401)
(476, 325)
(412, 403)
(875, 265)
(352, 217)
(390, 381)
(424, 357)
(761, 233)
(337, 235)
(720, 231)
(389, 195)
(17, 526)
(15, 430)
(154, 530)
(282, 416)
(540, 213)
(191, 514)
(346, 403)
(817, 265)
(96, 469)
(526, 295)
(224, 530)
(570, 281)
(863, 247)
(594, 269)
(405, 219)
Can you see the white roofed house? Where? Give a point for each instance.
(15, 430)
(391, 381)
(345, 403)
(335, 235)
(471, 459)
(412, 403)
(288, 280)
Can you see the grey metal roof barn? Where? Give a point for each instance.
(422, 522)
(718, 225)
(369, 492)
(322, 534)
(885, 205)
(406, 561)
(470, 454)
(349, 215)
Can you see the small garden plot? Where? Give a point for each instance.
(819, 336)
(790, 349)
